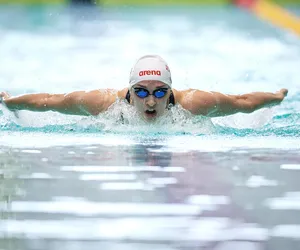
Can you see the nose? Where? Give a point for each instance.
(150, 101)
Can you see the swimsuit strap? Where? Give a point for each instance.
(171, 98)
(127, 97)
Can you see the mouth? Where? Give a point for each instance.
(150, 113)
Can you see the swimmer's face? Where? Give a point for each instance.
(150, 107)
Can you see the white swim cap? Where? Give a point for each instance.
(150, 67)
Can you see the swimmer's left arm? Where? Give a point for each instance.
(215, 104)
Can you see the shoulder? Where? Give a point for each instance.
(191, 94)
(98, 95)
(121, 94)
(99, 100)
(107, 95)
(194, 100)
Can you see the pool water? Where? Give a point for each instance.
(71, 182)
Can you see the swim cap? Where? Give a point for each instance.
(150, 67)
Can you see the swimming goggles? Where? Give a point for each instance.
(143, 93)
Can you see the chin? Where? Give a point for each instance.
(152, 118)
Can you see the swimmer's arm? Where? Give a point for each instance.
(75, 103)
(215, 104)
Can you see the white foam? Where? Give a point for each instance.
(85, 208)
(235, 168)
(43, 140)
(91, 147)
(168, 144)
(161, 182)
(293, 195)
(31, 151)
(290, 201)
(208, 200)
(68, 198)
(126, 186)
(290, 166)
(256, 181)
(158, 229)
(37, 176)
(107, 177)
(173, 169)
(96, 169)
(226, 143)
(219, 229)
(286, 231)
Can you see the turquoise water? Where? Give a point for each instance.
(70, 182)
(294, 9)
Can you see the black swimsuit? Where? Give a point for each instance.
(171, 99)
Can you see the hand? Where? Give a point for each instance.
(282, 93)
(3, 96)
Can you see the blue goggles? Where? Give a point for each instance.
(143, 93)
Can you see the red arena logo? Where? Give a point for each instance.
(150, 73)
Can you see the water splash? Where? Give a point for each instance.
(119, 118)
(122, 118)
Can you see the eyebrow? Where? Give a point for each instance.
(159, 87)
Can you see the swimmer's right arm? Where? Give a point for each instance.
(75, 103)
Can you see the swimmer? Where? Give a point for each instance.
(150, 92)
